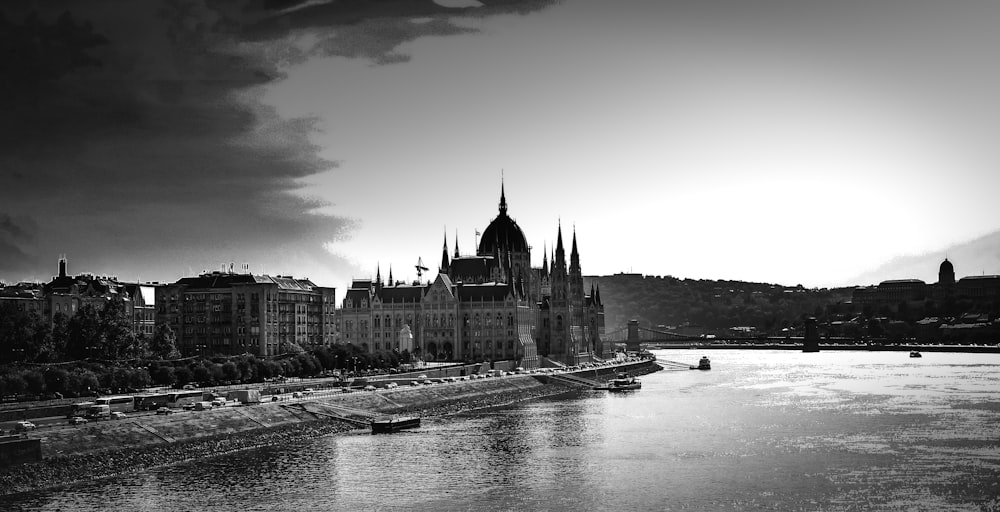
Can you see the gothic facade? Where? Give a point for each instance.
(489, 306)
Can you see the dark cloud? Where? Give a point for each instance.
(131, 133)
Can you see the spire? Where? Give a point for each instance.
(597, 300)
(444, 255)
(545, 259)
(391, 282)
(456, 243)
(573, 252)
(378, 273)
(559, 244)
(503, 199)
(574, 257)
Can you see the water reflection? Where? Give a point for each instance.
(762, 430)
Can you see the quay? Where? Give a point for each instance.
(141, 441)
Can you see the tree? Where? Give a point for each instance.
(164, 342)
(229, 372)
(182, 375)
(117, 337)
(84, 333)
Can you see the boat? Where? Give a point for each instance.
(914, 353)
(703, 364)
(621, 382)
(388, 425)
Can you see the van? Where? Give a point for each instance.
(202, 406)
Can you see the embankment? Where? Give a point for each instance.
(109, 448)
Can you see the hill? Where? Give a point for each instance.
(699, 306)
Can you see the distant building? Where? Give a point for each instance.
(488, 306)
(978, 289)
(236, 313)
(65, 294)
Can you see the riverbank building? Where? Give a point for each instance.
(492, 305)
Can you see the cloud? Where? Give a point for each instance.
(133, 135)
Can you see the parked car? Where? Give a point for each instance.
(164, 410)
(414, 383)
(190, 386)
(369, 388)
(117, 415)
(76, 420)
(428, 381)
(296, 395)
(422, 376)
(391, 385)
(24, 426)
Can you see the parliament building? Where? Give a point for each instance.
(489, 306)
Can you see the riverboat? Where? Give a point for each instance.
(703, 364)
(621, 382)
(388, 425)
(914, 353)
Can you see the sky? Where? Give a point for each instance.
(773, 141)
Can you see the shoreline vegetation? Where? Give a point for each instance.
(65, 469)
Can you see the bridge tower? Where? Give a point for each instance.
(632, 342)
(811, 341)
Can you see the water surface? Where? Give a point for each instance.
(763, 430)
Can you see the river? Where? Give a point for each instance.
(763, 430)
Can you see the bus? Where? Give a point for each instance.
(151, 402)
(79, 409)
(179, 398)
(122, 403)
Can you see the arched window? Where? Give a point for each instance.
(510, 320)
(559, 322)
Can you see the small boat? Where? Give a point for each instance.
(703, 364)
(914, 353)
(621, 382)
(388, 425)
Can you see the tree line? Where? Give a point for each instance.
(97, 351)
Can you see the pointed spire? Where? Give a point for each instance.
(445, 265)
(598, 292)
(503, 198)
(574, 260)
(391, 282)
(545, 259)
(573, 252)
(559, 261)
(456, 243)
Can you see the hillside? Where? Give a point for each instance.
(697, 306)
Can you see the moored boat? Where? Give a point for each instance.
(388, 425)
(703, 364)
(621, 382)
(914, 353)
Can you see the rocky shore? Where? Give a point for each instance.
(62, 470)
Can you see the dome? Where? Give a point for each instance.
(947, 267)
(946, 273)
(503, 233)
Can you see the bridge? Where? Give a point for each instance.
(635, 337)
